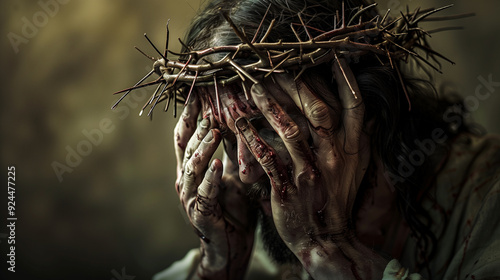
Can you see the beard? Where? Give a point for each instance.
(273, 244)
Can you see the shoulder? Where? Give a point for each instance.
(469, 172)
(464, 204)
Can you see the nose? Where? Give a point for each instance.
(250, 170)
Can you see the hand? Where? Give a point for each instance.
(312, 201)
(216, 206)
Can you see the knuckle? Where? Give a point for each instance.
(188, 170)
(318, 111)
(206, 188)
(292, 133)
(268, 159)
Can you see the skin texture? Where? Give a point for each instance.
(314, 156)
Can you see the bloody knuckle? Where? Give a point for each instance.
(268, 160)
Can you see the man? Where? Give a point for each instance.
(331, 170)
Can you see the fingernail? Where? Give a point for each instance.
(209, 137)
(212, 166)
(205, 123)
(258, 89)
(242, 124)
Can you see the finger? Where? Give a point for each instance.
(265, 155)
(206, 203)
(198, 164)
(352, 103)
(284, 125)
(320, 116)
(184, 128)
(194, 142)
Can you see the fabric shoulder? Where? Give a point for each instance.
(181, 269)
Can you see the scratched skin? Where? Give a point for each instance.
(314, 157)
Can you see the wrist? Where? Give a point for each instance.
(343, 258)
(218, 266)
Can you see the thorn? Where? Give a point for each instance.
(360, 11)
(270, 58)
(310, 27)
(305, 28)
(218, 98)
(389, 56)
(379, 60)
(243, 38)
(277, 66)
(390, 24)
(167, 39)
(129, 90)
(417, 10)
(449, 17)
(445, 29)
(407, 25)
(385, 16)
(151, 99)
(184, 45)
(169, 98)
(271, 25)
(157, 99)
(403, 48)
(147, 38)
(191, 89)
(300, 41)
(182, 69)
(302, 69)
(241, 76)
(345, 76)
(295, 32)
(140, 86)
(430, 13)
(343, 15)
(236, 53)
(260, 25)
(238, 68)
(245, 90)
(148, 56)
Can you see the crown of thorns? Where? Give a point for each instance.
(395, 38)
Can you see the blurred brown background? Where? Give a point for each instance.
(116, 214)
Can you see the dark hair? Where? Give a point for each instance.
(396, 127)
